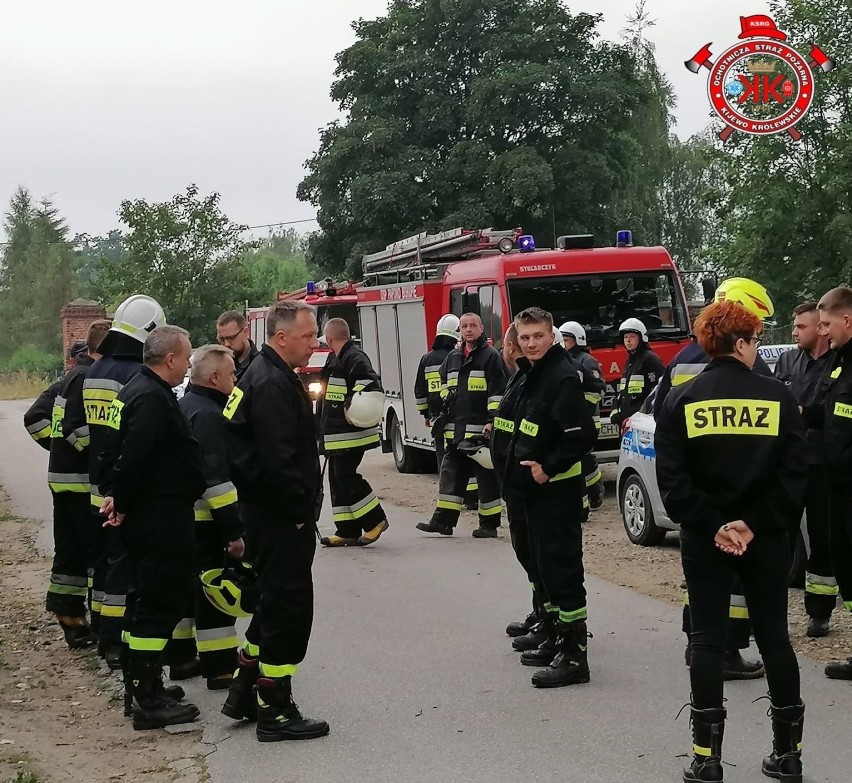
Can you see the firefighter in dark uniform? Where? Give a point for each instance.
(152, 477)
(74, 529)
(474, 378)
(232, 332)
(275, 467)
(218, 528)
(730, 471)
(805, 371)
(594, 385)
(689, 362)
(835, 310)
(349, 379)
(121, 358)
(552, 430)
(427, 382)
(641, 373)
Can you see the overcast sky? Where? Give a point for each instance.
(103, 100)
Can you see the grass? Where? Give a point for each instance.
(24, 776)
(21, 386)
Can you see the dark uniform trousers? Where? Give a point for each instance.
(355, 507)
(282, 555)
(841, 539)
(456, 472)
(159, 539)
(113, 572)
(74, 537)
(519, 535)
(820, 583)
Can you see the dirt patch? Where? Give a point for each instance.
(653, 571)
(60, 711)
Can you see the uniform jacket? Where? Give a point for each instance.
(272, 445)
(729, 446)
(39, 416)
(594, 384)
(151, 453)
(427, 382)
(217, 507)
(342, 376)
(473, 386)
(808, 381)
(687, 364)
(252, 355)
(641, 374)
(504, 420)
(68, 470)
(552, 426)
(836, 418)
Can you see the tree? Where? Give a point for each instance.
(186, 254)
(507, 113)
(276, 264)
(90, 252)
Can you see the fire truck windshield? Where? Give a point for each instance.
(602, 302)
(345, 310)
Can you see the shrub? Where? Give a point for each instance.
(32, 361)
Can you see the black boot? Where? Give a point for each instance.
(523, 627)
(534, 638)
(738, 668)
(839, 671)
(785, 761)
(278, 716)
(185, 671)
(152, 707)
(546, 651)
(242, 701)
(435, 527)
(78, 634)
(818, 627)
(570, 665)
(708, 730)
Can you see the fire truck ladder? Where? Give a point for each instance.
(417, 252)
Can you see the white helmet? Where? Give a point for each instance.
(366, 408)
(557, 338)
(138, 316)
(476, 447)
(575, 330)
(636, 326)
(448, 326)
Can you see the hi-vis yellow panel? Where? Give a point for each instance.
(732, 417)
(841, 409)
(233, 402)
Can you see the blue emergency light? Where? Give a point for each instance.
(526, 243)
(624, 238)
(310, 287)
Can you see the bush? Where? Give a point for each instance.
(32, 361)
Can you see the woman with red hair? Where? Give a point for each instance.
(729, 469)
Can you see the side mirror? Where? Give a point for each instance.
(708, 288)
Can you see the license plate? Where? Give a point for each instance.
(610, 431)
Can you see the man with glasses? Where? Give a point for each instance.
(232, 332)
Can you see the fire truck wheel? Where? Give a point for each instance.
(406, 458)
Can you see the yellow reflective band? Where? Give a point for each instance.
(848, 605)
(699, 751)
(96, 607)
(472, 485)
(732, 417)
(635, 387)
(41, 434)
(125, 327)
(738, 612)
(449, 505)
(528, 428)
(835, 373)
(114, 419)
(351, 444)
(252, 650)
(841, 409)
(434, 384)
(335, 393)
(573, 616)
(276, 672)
(66, 589)
(58, 487)
(815, 589)
(225, 499)
(183, 633)
(452, 383)
(504, 425)
(593, 479)
(490, 512)
(112, 611)
(211, 645)
(146, 644)
(575, 470)
(97, 403)
(233, 403)
(203, 515)
(592, 398)
(493, 406)
(349, 516)
(477, 384)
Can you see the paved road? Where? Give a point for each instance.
(409, 664)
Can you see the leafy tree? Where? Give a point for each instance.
(504, 113)
(185, 253)
(276, 264)
(90, 251)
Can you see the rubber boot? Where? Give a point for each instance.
(570, 666)
(534, 638)
(241, 702)
(523, 627)
(546, 651)
(174, 692)
(738, 668)
(785, 761)
(152, 707)
(78, 634)
(278, 716)
(708, 730)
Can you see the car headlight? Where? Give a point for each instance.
(315, 388)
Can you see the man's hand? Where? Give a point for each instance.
(114, 519)
(107, 507)
(236, 549)
(734, 538)
(486, 430)
(537, 473)
(428, 424)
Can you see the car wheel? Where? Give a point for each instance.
(406, 458)
(637, 514)
(799, 564)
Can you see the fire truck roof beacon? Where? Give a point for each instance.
(505, 245)
(526, 243)
(310, 287)
(624, 238)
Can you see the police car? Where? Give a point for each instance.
(645, 520)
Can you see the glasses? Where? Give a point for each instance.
(227, 338)
(758, 341)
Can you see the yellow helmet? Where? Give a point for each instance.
(749, 293)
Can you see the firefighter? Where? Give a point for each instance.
(74, 529)
(686, 365)
(218, 529)
(427, 383)
(121, 358)
(348, 380)
(731, 474)
(835, 309)
(552, 430)
(474, 379)
(152, 478)
(232, 332)
(641, 372)
(805, 373)
(594, 385)
(275, 466)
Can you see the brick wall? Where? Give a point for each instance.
(76, 317)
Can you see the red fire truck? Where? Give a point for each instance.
(331, 300)
(410, 284)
